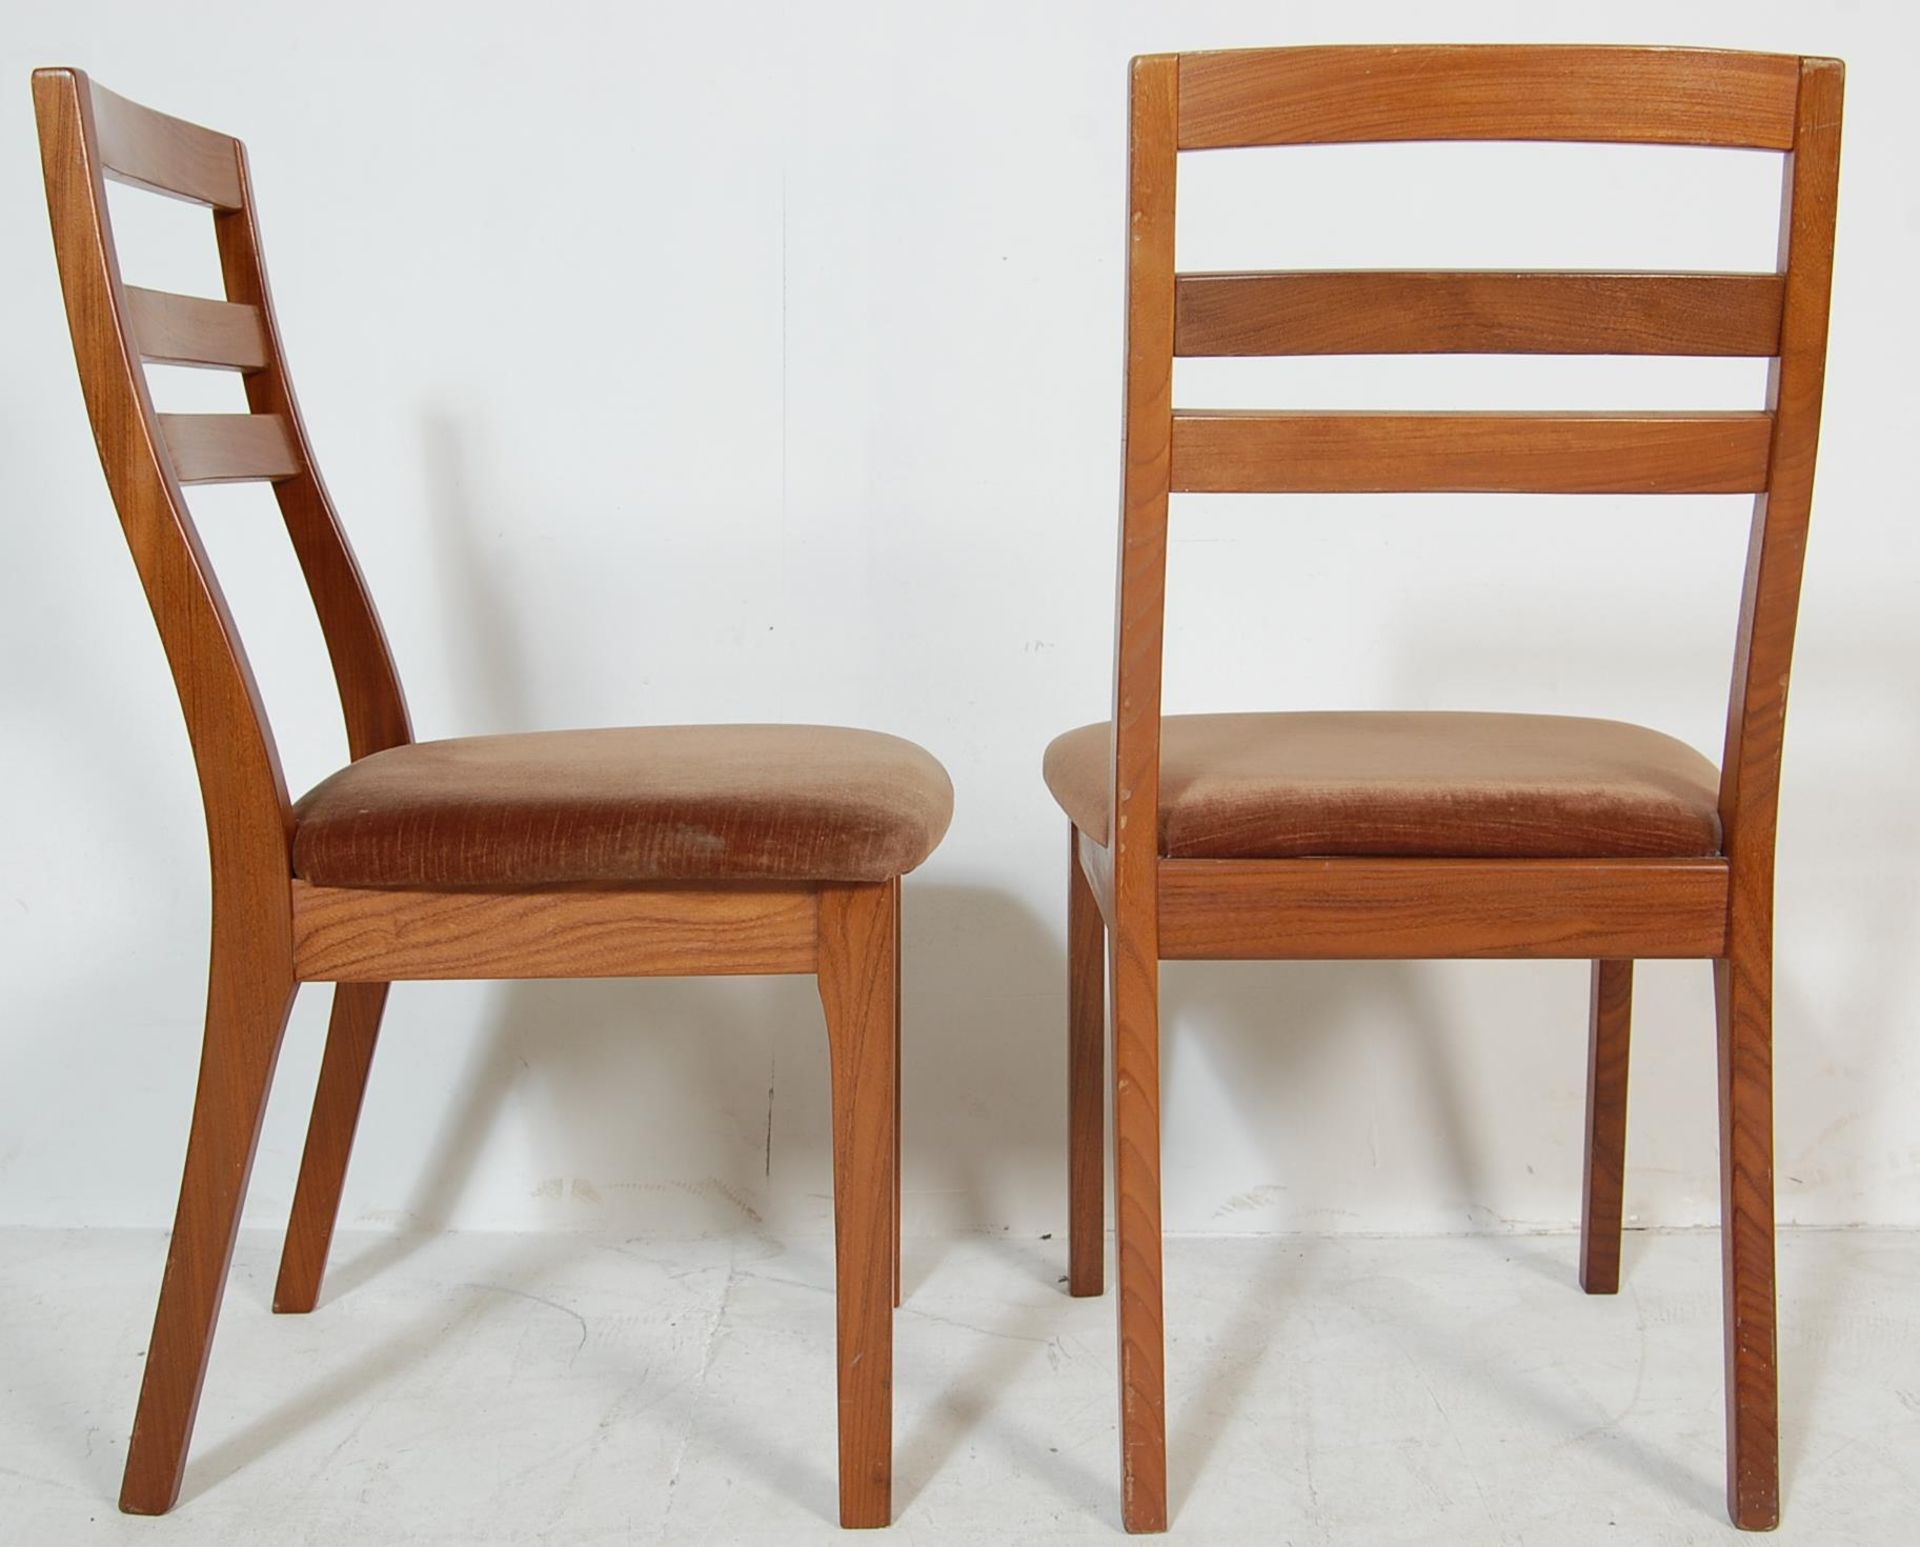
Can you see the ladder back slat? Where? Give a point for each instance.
(175, 329)
(163, 154)
(1239, 452)
(229, 448)
(1343, 94)
(1369, 312)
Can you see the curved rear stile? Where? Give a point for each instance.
(370, 694)
(88, 134)
(1750, 794)
(248, 812)
(1133, 938)
(249, 816)
(1776, 554)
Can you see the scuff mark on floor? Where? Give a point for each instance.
(773, 1063)
(553, 1305)
(709, 1341)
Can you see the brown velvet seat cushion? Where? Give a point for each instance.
(659, 803)
(1273, 786)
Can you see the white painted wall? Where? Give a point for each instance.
(717, 362)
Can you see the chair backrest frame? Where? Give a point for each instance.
(88, 135)
(1190, 102)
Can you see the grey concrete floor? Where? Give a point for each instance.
(573, 1389)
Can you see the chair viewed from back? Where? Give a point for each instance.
(661, 850)
(1431, 835)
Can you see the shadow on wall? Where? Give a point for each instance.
(491, 642)
(1546, 657)
(704, 1102)
(1270, 1031)
(732, 1112)
(701, 1105)
(1852, 738)
(983, 1063)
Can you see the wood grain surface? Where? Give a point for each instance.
(135, 144)
(189, 330)
(1247, 451)
(1749, 801)
(1403, 909)
(351, 935)
(1647, 96)
(1609, 1023)
(229, 448)
(858, 954)
(353, 1030)
(1086, 1082)
(1476, 311)
(1133, 936)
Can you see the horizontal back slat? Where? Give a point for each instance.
(229, 448)
(175, 329)
(1366, 312)
(1239, 452)
(167, 155)
(1324, 96)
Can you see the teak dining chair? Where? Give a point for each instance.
(1219, 837)
(611, 853)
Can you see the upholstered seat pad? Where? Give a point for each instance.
(1272, 786)
(658, 803)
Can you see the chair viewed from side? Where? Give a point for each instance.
(1390, 835)
(606, 853)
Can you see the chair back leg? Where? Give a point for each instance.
(1609, 1022)
(1086, 1081)
(1136, 1189)
(1743, 992)
(352, 1031)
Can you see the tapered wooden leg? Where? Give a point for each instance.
(351, 1034)
(1609, 1023)
(859, 927)
(1743, 989)
(1086, 1082)
(897, 1083)
(1136, 1182)
(247, 1003)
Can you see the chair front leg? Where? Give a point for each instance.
(1136, 1186)
(1743, 991)
(351, 1034)
(858, 966)
(1086, 1081)
(249, 994)
(1608, 1029)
